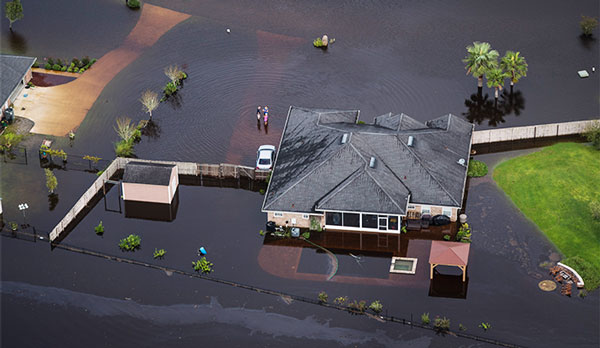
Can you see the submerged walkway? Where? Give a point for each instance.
(57, 110)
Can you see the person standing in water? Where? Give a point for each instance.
(266, 113)
(258, 113)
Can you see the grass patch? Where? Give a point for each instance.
(554, 188)
(477, 169)
(586, 270)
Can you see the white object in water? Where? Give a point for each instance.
(593, 69)
(583, 73)
(228, 31)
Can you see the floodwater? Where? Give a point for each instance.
(388, 56)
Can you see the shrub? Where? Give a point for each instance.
(261, 232)
(133, 3)
(136, 135)
(315, 225)
(36, 64)
(85, 60)
(425, 318)
(64, 68)
(447, 237)
(587, 271)
(13, 226)
(50, 61)
(48, 66)
(99, 229)
(203, 265)
(59, 61)
(441, 324)
(131, 243)
(306, 235)
(159, 254)
(357, 307)
(170, 88)
(340, 300)
(588, 24)
(69, 69)
(74, 62)
(361, 122)
(76, 70)
(323, 297)
(261, 191)
(56, 67)
(81, 70)
(592, 134)
(461, 327)
(94, 60)
(477, 169)
(464, 233)
(376, 307)
(595, 209)
(92, 158)
(124, 149)
(318, 42)
(485, 326)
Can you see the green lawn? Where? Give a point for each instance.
(553, 187)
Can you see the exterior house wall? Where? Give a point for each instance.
(435, 210)
(146, 193)
(15, 93)
(173, 183)
(287, 217)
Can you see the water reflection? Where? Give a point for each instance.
(448, 285)
(52, 201)
(481, 107)
(152, 130)
(152, 211)
(587, 41)
(17, 42)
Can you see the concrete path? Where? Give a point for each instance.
(57, 110)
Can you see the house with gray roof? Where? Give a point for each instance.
(347, 175)
(16, 73)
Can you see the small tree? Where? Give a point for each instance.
(495, 79)
(125, 128)
(323, 297)
(515, 66)
(376, 306)
(588, 24)
(13, 11)
(425, 319)
(149, 102)
(99, 229)
(51, 182)
(174, 73)
(480, 58)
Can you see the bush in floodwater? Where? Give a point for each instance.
(203, 265)
(464, 233)
(124, 148)
(56, 67)
(170, 88)
(318, 42)
(357, 307)
(159, 254)
(99, 229)
(48, 66)
(76, 70)
(261, 191)
(81, 71)
(133, 3)
(461, 327)
(441, 324)
(315, 224)
(485, 326)
(376, 306)
(13, 226)
(323, 297)
(588, 24)
(340, 300)
(261, 232)
(306, 235)
(64, 68)
(477, 169)
(425, 318)
(130, 243)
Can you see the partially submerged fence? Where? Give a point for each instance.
(220, 171)
(530, 132)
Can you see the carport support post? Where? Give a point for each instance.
(432, 266)
(464, 270)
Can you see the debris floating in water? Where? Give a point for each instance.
(228, 31)
(583, 73)
(202, 251)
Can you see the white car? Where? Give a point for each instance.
(265, 157)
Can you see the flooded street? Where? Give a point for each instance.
(388, 57)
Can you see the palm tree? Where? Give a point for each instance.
(515, 65)
(495, 78)
(480, 58)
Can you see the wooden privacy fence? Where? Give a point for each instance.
(222, 171)
(530, 132)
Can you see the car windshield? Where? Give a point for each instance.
(264, 161)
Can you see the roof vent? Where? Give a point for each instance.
(461, 162)
(344, 138)
(411, 139)
(372, 162)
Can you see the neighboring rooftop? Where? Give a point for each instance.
(147, 173)
(13, 69)
(325, 156)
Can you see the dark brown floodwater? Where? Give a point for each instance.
(388, 56)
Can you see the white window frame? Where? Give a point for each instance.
(277, 214)
(305, 216)
(425, 209)
(446, 210)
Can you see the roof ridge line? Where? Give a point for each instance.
(384, 191)
(340, 186)
(428, 172)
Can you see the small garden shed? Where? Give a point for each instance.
(150, 182)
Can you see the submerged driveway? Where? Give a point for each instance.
(59, 109)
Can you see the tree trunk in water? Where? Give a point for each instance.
(479, 91)
(480, 81)
(511, 88)
(496, 93)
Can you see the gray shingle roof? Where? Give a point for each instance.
(12, 70)
(147, 173)
(314, 171)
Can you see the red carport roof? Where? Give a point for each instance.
(449, 253)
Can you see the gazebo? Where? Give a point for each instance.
(449, 254)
